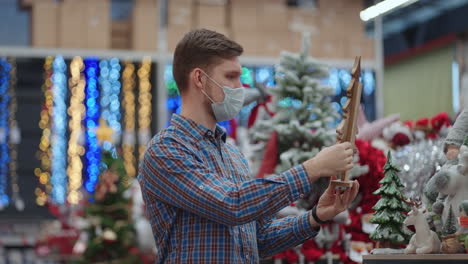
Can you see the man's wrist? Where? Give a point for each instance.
(313, 223)
(316, 218)
(312, 169)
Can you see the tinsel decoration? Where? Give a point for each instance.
(418, 162)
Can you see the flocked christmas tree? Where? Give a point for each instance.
(305, 118)
(111, 236)
(449, 225)
(389, 210)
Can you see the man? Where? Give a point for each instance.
(203, 205)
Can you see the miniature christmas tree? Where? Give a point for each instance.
(111, 236)
(389, 210)
(449, 225)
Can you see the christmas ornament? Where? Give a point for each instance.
(424, 241)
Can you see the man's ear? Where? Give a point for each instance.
(196, 76)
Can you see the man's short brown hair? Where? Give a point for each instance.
(201, 48)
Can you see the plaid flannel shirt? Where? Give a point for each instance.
(205, 208)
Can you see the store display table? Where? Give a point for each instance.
(416, 259)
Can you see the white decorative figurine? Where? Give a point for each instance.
(424, 241)
(451, 182)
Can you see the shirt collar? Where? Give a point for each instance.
(197, 130)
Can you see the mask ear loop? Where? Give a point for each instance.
(203, 90)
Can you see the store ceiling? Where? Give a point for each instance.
(420, 22)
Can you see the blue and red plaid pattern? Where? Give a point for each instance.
(205, 208)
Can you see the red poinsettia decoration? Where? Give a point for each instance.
(440, 120)
(400, 139)
(422, 124)
(409, 123)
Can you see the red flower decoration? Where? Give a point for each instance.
(400, 139)
(409, 123)
(423, 122)
(375, 159)
(440, 120)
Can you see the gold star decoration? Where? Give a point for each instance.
(104, 132)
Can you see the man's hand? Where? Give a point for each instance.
(332, 202)
(452, 152)
(330, 161)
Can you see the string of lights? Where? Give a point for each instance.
(144, 106)
(76, 112)
(110, 91)
(128, 141)
(5, 68)
(15, 138)
(93, 152)
(59, 128)
(44, 153)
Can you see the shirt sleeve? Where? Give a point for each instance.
(458, 131)
(173, 174)
(277, 235)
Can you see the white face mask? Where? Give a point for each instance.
(232, 104)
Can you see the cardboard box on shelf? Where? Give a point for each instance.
(304, 20)
(368, 52)
(272, 17)
(98, 24)
(120, 43)
(174, 35)
(121, 34)
(244, 18)
(210, 15)
(272, 43)
(244, 3)
(84, 24)
(297, 39)
(144, 27)
(248, 40)
(147, 2)
(179, 14)
(121, 27)
(334, 48)
(44, 25)
(72, 24)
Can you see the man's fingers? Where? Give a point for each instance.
(346, 196)
(331, 188)
(349, 152)
(349, 160)
(346, 145)
(355, 189)
(350, 194)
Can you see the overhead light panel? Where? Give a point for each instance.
(383, 7)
